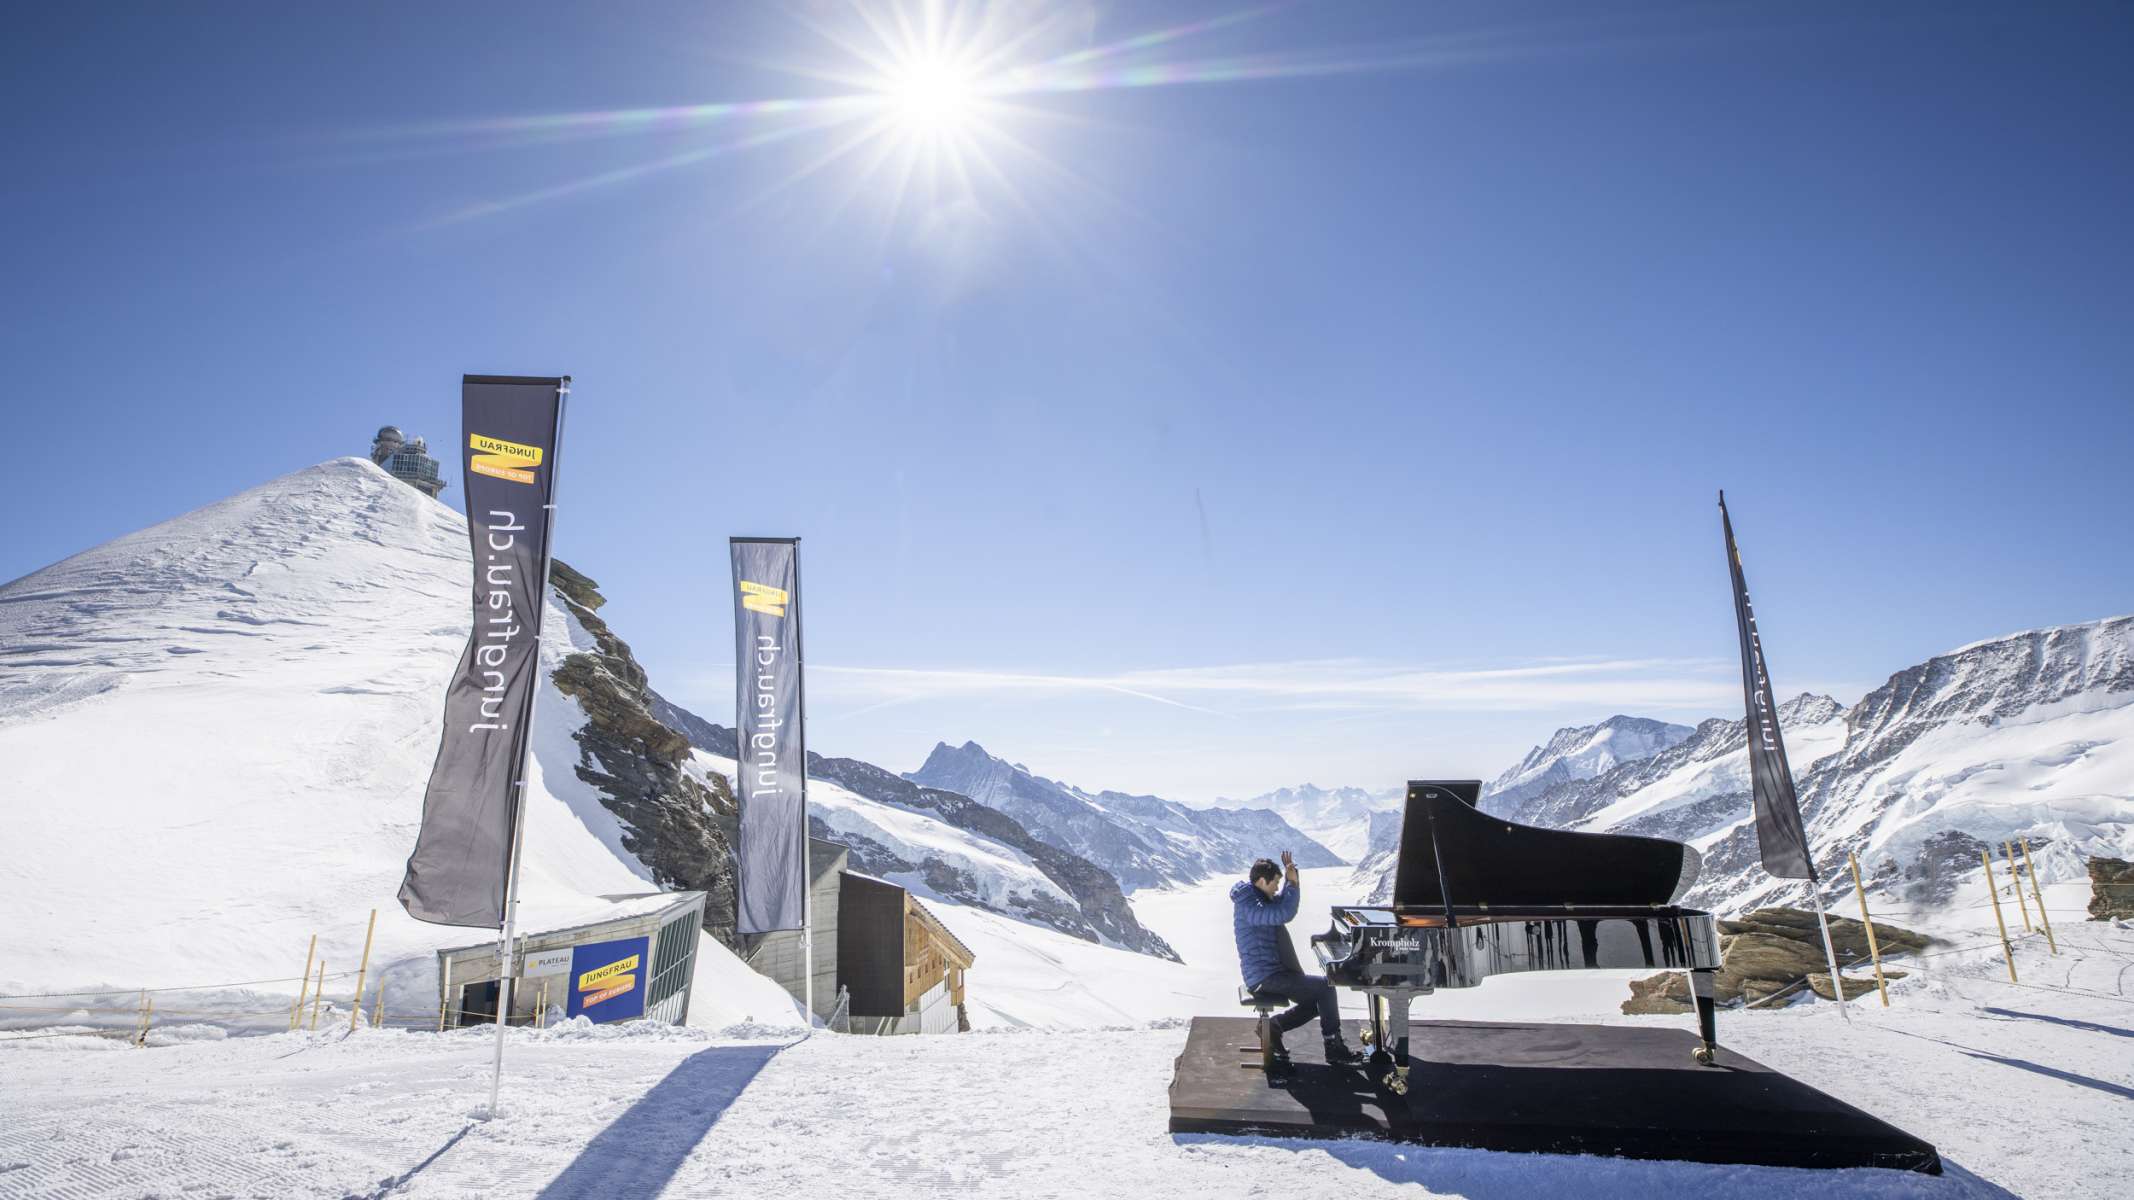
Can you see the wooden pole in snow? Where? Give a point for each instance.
(1993, 890)
(2015, 879)
(444, 997)
(296, 1010)
(355, 1007)
(2044, 920)
(1873, 951)
(317, 994)
(377, 1016)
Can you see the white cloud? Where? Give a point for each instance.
(1329, 685)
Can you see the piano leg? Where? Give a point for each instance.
(1700, 990)
(1388, 1039)
(1397, 1025)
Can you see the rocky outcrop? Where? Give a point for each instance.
(1101, 912)
(1769, 952)
(2111, 889)
(680, 828)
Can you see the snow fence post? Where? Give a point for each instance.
(1874, 951)
(2044, 920)
(303, 984)
(355, 1007)
(2015, 880)
(444, 996)
(318, 993)
(1993, 891)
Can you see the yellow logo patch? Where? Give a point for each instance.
(614, 974)
(763, 598)
(500, 459)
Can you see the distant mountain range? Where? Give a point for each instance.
(1337, 818)
(2029, 735)
(1145, 841)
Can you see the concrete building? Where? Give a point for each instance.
(407, 460)
(632, 957)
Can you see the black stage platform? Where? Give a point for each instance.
(1622, 1091)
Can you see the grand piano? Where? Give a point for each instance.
(1475, 896)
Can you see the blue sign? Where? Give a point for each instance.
(608, 980)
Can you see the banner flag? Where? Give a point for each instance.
(770, 774)
(457, 874)
(1779, 836)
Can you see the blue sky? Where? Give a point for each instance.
(1330, 393)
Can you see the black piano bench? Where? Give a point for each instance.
(1265, 1006)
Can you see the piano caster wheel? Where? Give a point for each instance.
(1396, 1082)
(1703, 1055)
(1365, 1037)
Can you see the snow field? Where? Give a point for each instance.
(2026, 1091)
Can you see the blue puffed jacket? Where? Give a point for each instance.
(1257, 922)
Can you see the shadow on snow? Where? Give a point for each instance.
(642, 1149)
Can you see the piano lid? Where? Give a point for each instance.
(1447, 844)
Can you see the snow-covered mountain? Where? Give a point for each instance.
(2029, 735)
(1579, 752)
(215, 733)
(1145, 841)
(1336, 818)
(1682, 791)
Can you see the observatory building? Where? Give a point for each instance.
(408, 460)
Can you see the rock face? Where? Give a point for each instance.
(679, 828)
(1771, 950)
(1102, 913)
(1144, 841)
(2111, 889)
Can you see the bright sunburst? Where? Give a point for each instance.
(935, 100)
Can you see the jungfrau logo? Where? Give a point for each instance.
(763, 598)
(500, 459)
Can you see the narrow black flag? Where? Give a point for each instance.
(1779, 836)
(770, 771)
(462, 858)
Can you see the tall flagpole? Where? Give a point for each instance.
(807, 848)
(508, 933)
(1830, 954)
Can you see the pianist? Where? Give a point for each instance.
(1261, 908)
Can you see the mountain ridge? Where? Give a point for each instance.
(1144, 841)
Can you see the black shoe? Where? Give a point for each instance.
(1338, 1053)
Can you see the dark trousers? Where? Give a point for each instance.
(1310, 994)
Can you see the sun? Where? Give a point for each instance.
(931, 96)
